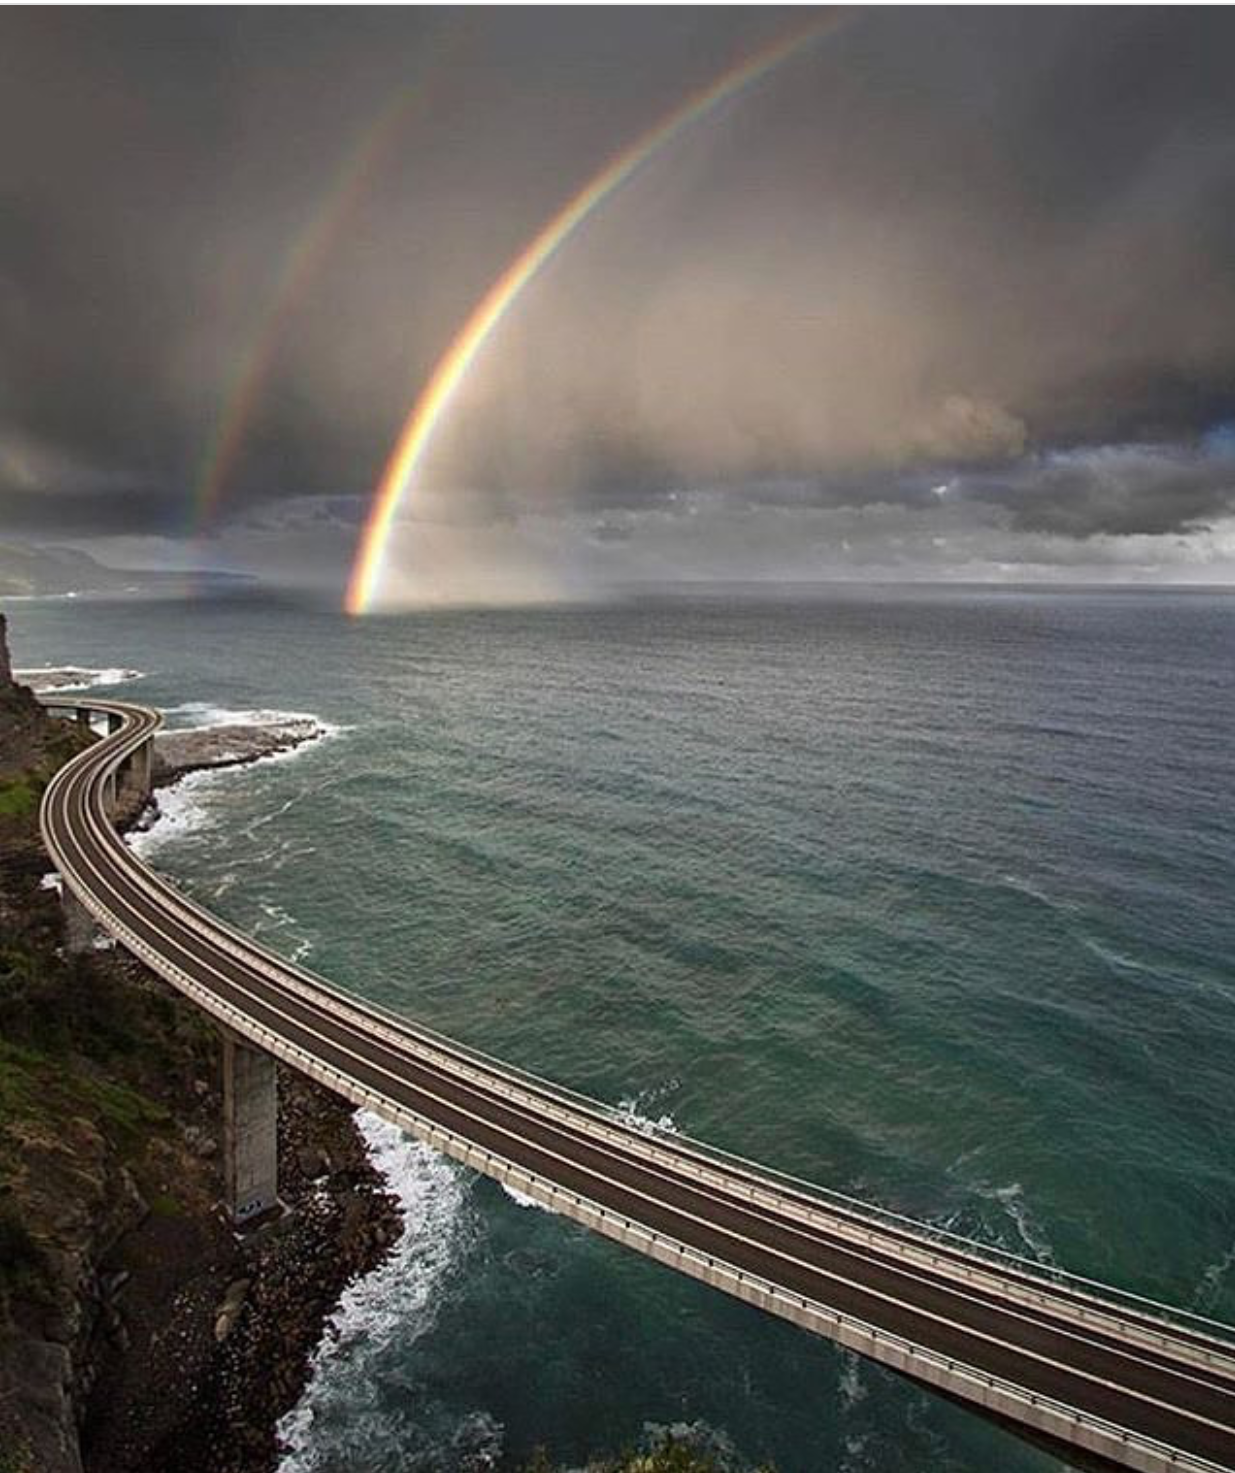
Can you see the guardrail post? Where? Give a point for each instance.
(250, 1131)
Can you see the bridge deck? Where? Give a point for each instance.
(1128, 1385)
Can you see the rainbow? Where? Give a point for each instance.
(298, 266)
(489, 311)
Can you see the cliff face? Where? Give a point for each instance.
(114, 1260)
(88, 1077)
(23, 727)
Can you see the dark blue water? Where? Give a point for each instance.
(922, 896)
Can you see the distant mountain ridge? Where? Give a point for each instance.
(44, 571)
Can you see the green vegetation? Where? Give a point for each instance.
(19, 796)
(36, 1087)
(15, 1456)
(163, 1204)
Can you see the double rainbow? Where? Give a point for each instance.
(452, 367)
(300, 264)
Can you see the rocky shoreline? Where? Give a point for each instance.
(219, 1331)
(137, 1331)
(230, 744)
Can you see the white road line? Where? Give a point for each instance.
(136, 875)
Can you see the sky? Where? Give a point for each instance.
(949, 295)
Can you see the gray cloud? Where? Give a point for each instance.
(1122, 490)
(989, 251)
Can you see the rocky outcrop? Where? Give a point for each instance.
(31, 745)
(231, 744)
(22, 725)
(221, 1331)
(51, 678)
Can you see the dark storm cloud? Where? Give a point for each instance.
(990, 251)
(1126, 490)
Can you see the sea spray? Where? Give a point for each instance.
(342, 1420)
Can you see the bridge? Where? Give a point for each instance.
(1099, 1376)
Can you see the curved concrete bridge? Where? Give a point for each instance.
(1101, 1377)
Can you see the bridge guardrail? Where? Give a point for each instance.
(1087, 1430)
(733, 1169)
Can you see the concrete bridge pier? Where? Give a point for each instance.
(78, 922)
(134, 776)
(250, 1131)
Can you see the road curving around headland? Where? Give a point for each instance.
(1132, 1384)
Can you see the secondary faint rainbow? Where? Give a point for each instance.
(488, 312)
(299, 266)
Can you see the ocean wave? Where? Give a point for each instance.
(521, 1199)
(379, 1316)
(1029, 1231)
(643, 1110)
(200, 715)
(1210, 1289)
(47, 678)
(281, 922)
(180, 812)
(182, 808)
(630, 1112)
(850, 1384)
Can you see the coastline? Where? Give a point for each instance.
(174, 1343)
(247, 1319)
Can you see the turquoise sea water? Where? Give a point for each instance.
(924, 896)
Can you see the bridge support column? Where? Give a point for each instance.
(137, 771)
(143, 764)
(78, 922)
(250, 1131)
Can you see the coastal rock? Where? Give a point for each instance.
(73, 677)
(229, 745)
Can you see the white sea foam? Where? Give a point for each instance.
(1030, 1232)
(184, 807)
(75, 677)
(281, 922)
(521, 1199)
(182, 811)
(631, 1112)
(851, 1387)
(1212, 1281)
(391, 1307)
(198, 715)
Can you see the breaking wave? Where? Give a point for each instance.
(341, 1420)
(181, 810)
(638, 1111)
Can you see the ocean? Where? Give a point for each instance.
(924, 895)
